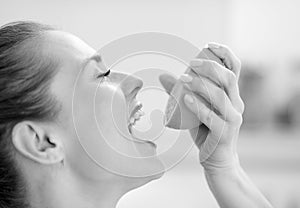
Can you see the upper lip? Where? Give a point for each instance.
(135, 108)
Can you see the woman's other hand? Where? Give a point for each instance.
(215, 99)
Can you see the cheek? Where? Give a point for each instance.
(99, 135)
(86, 124)
(99, 114)
(99, 120)
(104, 106)
(111, 111)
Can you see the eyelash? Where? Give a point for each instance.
(106, 74)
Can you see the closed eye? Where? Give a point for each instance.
(103, 74)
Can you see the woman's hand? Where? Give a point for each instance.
(222, 109)
(215, 99)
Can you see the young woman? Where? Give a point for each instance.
(43, 163)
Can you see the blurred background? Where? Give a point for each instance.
(263, 33)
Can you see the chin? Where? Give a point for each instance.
(151, 164)
(141, 181)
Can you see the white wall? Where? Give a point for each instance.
(99, 22)
(266, 30)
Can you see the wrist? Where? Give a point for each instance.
(229, 165)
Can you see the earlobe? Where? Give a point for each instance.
(34, 142)
(55, 152)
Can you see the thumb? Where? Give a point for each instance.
(167, 81)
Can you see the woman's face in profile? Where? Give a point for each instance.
(95, 115)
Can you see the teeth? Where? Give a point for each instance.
(136, 117)
(142, 113)
(138, 114)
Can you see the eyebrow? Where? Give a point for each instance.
(96, 57)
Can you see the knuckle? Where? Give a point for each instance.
(231, 78)
(207, 118)
(196, 69)
(225, 47)
(242, 106)
(220, 94)
(237, 119)
(198, 85)
(227, 50)
(214, 65)
(238, 64)
(205, 84)
(210, 64)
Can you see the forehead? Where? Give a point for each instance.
(67, 48)
(71, 53)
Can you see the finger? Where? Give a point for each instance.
(228, 57)
(167, 81)
(222, 77)
(213, 71)
(208, 117)
(199, 134)
(213, 95)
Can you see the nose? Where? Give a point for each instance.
(129, 84)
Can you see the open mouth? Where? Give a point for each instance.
(135, 115)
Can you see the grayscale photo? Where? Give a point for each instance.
(171, 103)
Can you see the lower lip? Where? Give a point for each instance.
(143, 141)
(146, 142)
(152, 143)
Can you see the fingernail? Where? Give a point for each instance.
(196, 62)
(186, 78)
(189, 99)
(213, 45)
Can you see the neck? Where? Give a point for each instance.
(64, 192)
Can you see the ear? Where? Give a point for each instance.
(34, 142)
